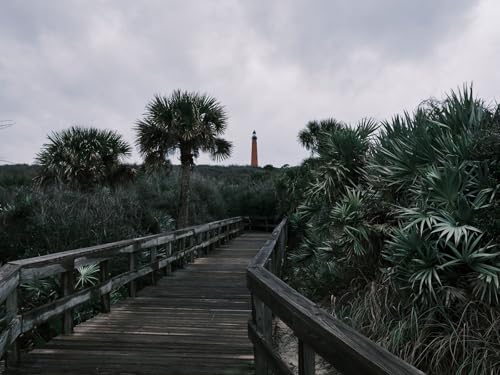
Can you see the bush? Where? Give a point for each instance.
(402, 234)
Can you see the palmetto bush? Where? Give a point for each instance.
(83, 157)
(401, 232)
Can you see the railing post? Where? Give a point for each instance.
(281, 252)
(11, 306)
(307, 364)
(132, 265)
(182, 247)
(104, 276)
(154, 264)
(264, 323)
(191, 243)
(218, 232)
(212, 236)
(168, 267)
(67, 283)
(204, 238)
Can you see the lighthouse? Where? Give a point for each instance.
(255, 160)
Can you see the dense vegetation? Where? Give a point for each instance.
(37, 219)
(400, 230)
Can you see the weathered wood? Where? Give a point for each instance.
(67, 283)
(64, 263)
(307, 362)
(11, 309)
(8, 339)
(9, 280)
(104, 277)
(263, 323)
(263, 255)
(263, 319)
(273, 360)
(346, 349)
(132, 264)
(193, 323)
(52, 264)
(154, 262)
(317, 331)
(168, 267)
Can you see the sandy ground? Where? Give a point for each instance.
(287, 345)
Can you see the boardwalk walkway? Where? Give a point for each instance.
(192, 322)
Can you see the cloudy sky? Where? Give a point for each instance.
(274, 64)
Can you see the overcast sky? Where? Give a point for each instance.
(274, 64)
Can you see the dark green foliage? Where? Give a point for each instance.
(83, 157)
(401, 232)
(184, 122)
(39, 220)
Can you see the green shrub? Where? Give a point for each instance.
(402, 234)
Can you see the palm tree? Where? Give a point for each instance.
(187, 122)
(309, 136)
(82, 157)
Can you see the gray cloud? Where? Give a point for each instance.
(274, 64)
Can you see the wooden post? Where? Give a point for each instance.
(168, 268)
(307, 365)
(264, 324)
(191, 243)
(132, 264)
(182, 248)
(154, 264)
(67, 281)
(104, 276)
(211, 236)
(11, 306)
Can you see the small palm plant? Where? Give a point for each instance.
(82, 157)
(87, 275)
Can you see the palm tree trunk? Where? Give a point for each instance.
(183, 217)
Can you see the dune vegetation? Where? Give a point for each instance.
(399, 225)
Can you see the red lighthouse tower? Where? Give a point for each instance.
(255, 160)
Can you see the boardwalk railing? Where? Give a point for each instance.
(145, 256)
(317, 331)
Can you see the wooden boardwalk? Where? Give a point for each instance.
(192, 322)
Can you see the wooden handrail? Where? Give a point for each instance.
(317, 331)
(12, 275)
